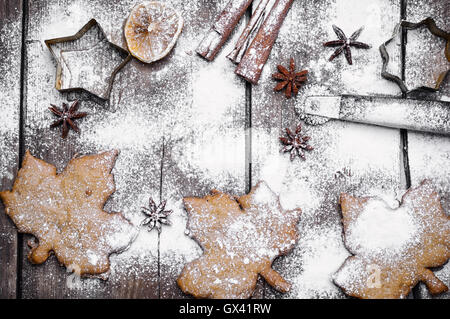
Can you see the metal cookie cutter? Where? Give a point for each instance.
(431, 25)
(83, 59)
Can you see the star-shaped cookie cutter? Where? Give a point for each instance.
(430, 24)
(62, 57)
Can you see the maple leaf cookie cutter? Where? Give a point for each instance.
(430, 24)
(62, 70)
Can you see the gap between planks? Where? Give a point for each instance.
(403, 132)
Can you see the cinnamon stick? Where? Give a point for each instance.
(256, 56)
(245, 38)
(222, 28)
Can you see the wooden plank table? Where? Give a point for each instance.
(342, 158)
(185, 126)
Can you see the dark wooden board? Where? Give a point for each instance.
(185, 126)
(341, 160)
(209, 112)
(10, 72)
(429, 154)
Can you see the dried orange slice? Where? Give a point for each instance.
(151, 31)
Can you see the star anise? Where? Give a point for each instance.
(290, 79)
(345, 43)
(157, 215)
(66, 117)
(295, 143)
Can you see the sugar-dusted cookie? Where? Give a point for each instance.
(393, 248)
(240, 238)
(65, 212)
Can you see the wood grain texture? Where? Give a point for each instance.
(429, 154)
(185, 126)
(10, 71)
(341, 160)
(125, 123)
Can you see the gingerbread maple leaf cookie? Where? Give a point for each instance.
(240, 238)
(393, 248)
(65, 212)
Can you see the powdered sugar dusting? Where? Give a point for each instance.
(239, 241)
(425, 58)
(322, 254)
(429, 154)
(204, 138)
(311, 184)
(382, 239)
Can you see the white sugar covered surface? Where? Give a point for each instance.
(10, 48)
(380, 234)
(9, 96)
(425, 58)
(249, 235)
(429, 157)
(347, 157)
(383, 231)
(184, 118)
(429, 154)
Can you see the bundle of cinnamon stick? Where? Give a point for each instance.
(255, 43)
